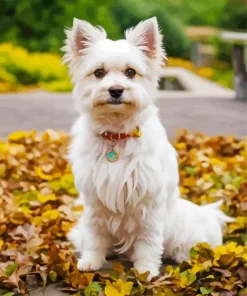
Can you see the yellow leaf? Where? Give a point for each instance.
(2, 169)
(45, 198)
(180, 146)
(118, 267)
(66, 226)
(66, 266)
(244, 256)
(37, 220)
(26, 210)
(118, 288)
(89, 276)
(39, 172)
(136, 133)
(189, 182)
(21, 135)
(17, 136)
(78, 208)
(2, 228)
(196, 268)
(1, 243)
(183, 190)
(51, 214)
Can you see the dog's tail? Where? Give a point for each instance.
(214, 210)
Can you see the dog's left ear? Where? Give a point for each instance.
(146, 37)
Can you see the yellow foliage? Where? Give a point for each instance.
(118, 288)
(21, 136)
(51, 214)
(1, 243)
(204, 72)
(37, 211)
(45, 198)
(19, 67)
(57, 86)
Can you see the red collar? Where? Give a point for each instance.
(121, 136)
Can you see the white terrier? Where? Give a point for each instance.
(125, 168)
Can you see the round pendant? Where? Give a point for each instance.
(112, 155)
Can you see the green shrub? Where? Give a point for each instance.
(129, 12)
(38, 25)
(225, 78)
(233, 17)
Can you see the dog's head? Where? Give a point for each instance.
(114, 79)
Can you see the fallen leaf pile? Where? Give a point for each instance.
(37, 210)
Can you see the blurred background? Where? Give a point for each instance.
(188, 25)
(202, 88)
(205, 42)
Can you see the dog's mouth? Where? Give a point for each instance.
(115, 102)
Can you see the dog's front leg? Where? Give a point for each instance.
(95, 242)
(148, 247)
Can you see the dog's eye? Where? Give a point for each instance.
(99, 73)
(130, 73)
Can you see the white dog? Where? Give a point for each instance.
(125, 168)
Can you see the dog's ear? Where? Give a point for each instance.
(85, 34)
(146, 37)
(80, 38)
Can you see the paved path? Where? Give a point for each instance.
(214, 116)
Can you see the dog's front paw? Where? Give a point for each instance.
(144, 267)
(90, 261)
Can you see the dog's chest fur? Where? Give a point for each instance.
(119, 192)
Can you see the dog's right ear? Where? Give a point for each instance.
(80, 38)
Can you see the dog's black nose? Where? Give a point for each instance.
(116, 91)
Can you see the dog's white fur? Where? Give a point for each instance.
(132, 205)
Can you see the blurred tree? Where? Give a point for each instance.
(201, 13)
(233, 17)
(129, 12)
(38, 24)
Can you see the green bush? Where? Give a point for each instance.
(225, 78)
(129, 12)
(38, 25)
(233, 17)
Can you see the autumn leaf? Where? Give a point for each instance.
(51, 214)
(37, 210)
(10, 269)
(45, 198)
(92, 287)
(53, 276)
(6, 293)
(205, 290)
(118, 267)
(118, 288)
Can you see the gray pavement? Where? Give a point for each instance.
(213, 116)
